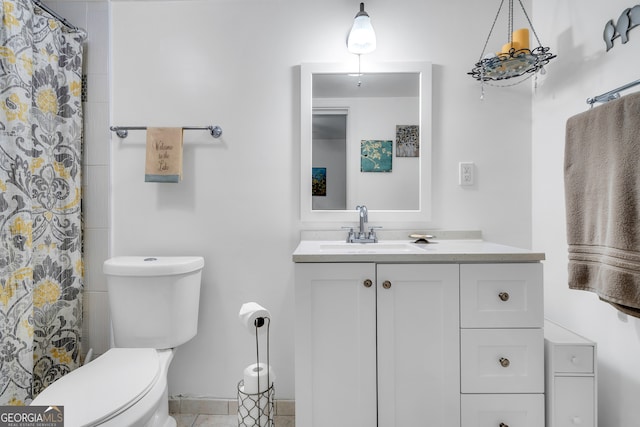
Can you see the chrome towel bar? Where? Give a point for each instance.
(612, 94)
(123, 131)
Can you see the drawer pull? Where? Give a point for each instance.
(504, 425)
(576, 420)
(386, 284)
(504, 296)
(367, 283)
(504, 362)
(575, 360)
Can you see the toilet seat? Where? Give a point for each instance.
(105, 387)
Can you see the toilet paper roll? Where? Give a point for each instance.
(260, 372)
(252, 312)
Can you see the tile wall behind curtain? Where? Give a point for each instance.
(94, 17)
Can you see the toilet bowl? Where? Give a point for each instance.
(154, 308)
(123, 387)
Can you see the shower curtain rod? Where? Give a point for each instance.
(56, 15)
(612, 94)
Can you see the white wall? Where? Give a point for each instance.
(573, 28)
(376, 118)
(397, 189)
(235, 63)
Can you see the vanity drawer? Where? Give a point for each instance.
(502, 360)
(573, 359)
(502, 410)
(501, 296)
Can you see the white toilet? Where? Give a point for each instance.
(154, 308)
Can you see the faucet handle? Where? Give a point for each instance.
(372, 232)
(350, 235)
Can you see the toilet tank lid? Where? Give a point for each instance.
(152, 265)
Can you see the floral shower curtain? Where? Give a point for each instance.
(41, 267)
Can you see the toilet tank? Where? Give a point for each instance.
(153, 301)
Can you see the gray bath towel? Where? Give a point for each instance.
(602, 190)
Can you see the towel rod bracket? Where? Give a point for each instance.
(216, 131)
(122, 133)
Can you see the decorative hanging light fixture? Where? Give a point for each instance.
(362, 38)
(515, 59)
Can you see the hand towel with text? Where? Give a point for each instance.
(164, 155)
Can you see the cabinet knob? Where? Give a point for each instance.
(575, 360)
(367, 283)
(504, 362)
(504, 296)
(386, 284)
(576, 420)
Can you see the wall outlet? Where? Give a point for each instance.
(466, 173)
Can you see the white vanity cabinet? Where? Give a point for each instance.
(377, 345)
(502, 345)
(443, 339)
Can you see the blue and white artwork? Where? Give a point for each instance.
(376, 155)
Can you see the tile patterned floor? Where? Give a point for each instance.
(202, 420)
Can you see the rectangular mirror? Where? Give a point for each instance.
(366, 140)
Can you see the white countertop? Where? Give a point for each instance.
(471, 250)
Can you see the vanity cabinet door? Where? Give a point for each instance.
(418, 345)
(335, 345)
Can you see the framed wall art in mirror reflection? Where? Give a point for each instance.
(319, 181)
(407, 141)
(376, 155)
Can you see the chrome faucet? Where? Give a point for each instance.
(362, 236)
(364, 218)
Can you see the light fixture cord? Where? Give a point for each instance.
(491, 31)
(510, 25)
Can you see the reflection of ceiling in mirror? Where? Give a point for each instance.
(371, 85)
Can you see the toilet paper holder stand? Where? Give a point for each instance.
(256, 409)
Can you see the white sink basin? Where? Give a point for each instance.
(368, 248)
